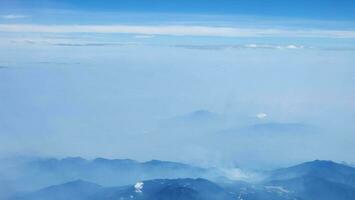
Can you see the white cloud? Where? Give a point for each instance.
(261, 115)
(235, 174)
(14, 16)
(241, 175)
(269, 46)
(245, 46)
(177, 30)
(252, 46)
(294, 47)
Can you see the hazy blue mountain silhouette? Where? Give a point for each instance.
(280, 127)
(164, 189)
(328, 170)
(324, 180)
(309, 188)
(196, 120)
(75, 190)
(198, 115)
(103, 171)
(158, 189)
(273, 128)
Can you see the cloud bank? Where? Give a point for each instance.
(177, 30)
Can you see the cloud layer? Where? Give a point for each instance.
(243, 46)
(177, 30)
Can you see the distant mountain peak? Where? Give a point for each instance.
(168, 164)
(315, 164)
(323, 162)
(325, 165)
(202, 112)
(320, 164)
(74, 159)
(79, 182)
(198, 115)
(324, 169)
(191, 121)
(121, 161)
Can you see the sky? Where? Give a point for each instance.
(178, 80)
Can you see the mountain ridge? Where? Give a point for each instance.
(305, 181)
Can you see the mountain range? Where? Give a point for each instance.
(157, 189)
(317, 179)
(204, 121)
(107, 172)
(325, 180)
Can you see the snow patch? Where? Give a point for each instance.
(138, 187)
(278, 189)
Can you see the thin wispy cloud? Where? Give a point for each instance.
(244, 46)
(93, 42)
(14, 16)
(144, 36)
(272, 46)
(87, 44)
(57, 63)
(177, 30)
(68, 42)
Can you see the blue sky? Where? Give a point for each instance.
(316, 9)
(100, 79)
(330, 25)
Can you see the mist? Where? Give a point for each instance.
(140, 102)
